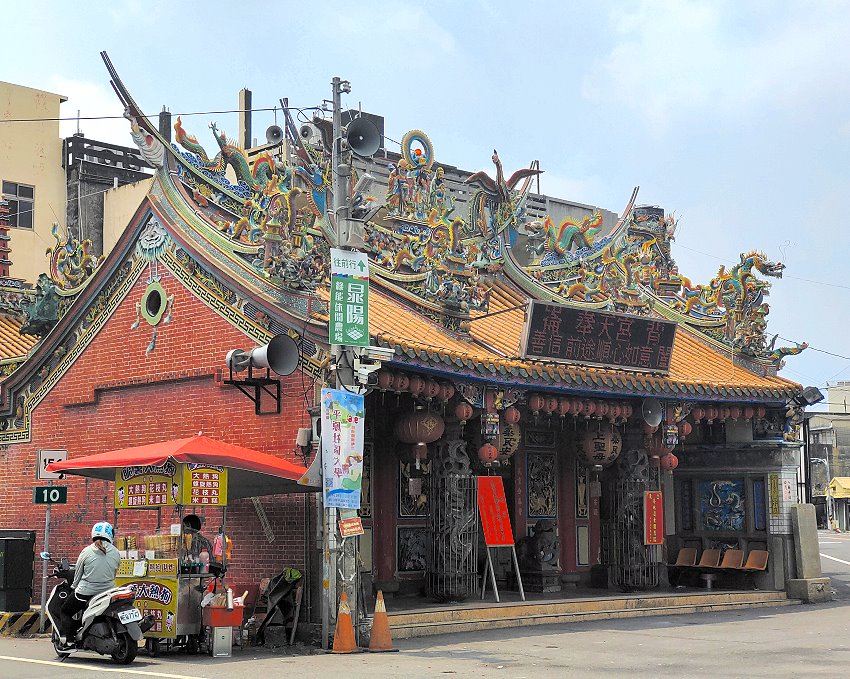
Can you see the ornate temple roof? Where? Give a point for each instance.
(454, 260)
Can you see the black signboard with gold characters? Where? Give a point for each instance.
(556, 332)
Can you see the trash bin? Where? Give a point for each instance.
(17, 554)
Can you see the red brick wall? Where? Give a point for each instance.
(168, 394)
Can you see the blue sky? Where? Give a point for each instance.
(735, 116)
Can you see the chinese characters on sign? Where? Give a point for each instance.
(562, 333)
(493, 508)
(170, 484)
(349, 310)
(773, 494)
(204, 485)
(342, 447)
(653, 517)
(147, 486)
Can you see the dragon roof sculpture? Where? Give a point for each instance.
(442, 237)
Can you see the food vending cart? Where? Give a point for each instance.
(168, 569)
(177, 479)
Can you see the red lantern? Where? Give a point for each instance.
(749, 412)
(602, 408)
(563, 407)
(400, 382)
(416, 385)
(421, 426)
(615, 411)
(734, 412)
(511, 415)
(535, 403)
(711, 413)
(488, 453)
(550, 405)
(669, 462)
(432, 389)
(628, 410)
(588, 407)
(724, 413)
(599, 446)
(446, 392)
(761, 411)
(698, 413)
(385, 380)
(463, 412)
(685, 428)
(575, 406)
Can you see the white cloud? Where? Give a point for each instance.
(92, 100)
(722, 58)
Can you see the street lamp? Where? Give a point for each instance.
(830, 514)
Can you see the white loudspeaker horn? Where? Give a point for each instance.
(363, 137)
(274, 134)
(280, 355)
(650, 410)
(309, 133)
(237, 360)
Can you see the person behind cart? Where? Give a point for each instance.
(94, 573)
(196, 547)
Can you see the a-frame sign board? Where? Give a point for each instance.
(493, 509)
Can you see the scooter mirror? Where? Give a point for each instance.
(45, 556)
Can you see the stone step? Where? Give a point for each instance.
(475, 617)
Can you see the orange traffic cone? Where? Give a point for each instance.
(344, 636)
(380, 641)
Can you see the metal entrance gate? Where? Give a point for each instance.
(631, 564)
(453, 526)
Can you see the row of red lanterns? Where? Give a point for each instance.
(712, 412)
(579, 407)
(416, 385)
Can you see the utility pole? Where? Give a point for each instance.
(340, 560)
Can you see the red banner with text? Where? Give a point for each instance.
(653, 517)
(493, 508)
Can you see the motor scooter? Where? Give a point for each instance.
(110, 624)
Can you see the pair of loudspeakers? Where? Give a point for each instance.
(280, 356)
(361, 136)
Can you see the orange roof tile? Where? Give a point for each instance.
(697, 370)
(12, 343)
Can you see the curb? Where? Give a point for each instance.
(23, 624)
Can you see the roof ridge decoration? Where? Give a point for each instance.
(439, 247)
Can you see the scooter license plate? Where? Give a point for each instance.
(132, 615)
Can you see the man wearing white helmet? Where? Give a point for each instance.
(94, 573)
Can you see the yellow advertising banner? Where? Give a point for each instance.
(204, 485)
(156, 597)
(151, 568)
(147, 486)
(170, 484)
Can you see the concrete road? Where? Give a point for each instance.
(835, 561)
(780, 643)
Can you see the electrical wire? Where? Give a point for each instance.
(190, 113)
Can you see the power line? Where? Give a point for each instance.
(191, 113)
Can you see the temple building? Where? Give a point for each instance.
(550, 343)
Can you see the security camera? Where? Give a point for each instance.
(380, 353)
(363, 183)
(366, 373)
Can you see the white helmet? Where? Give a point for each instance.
(102, 530)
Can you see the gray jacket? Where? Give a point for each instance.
(95, 571)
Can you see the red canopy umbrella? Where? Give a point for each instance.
(250, 473)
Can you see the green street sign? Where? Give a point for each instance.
(50, 495)
(349, 312)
